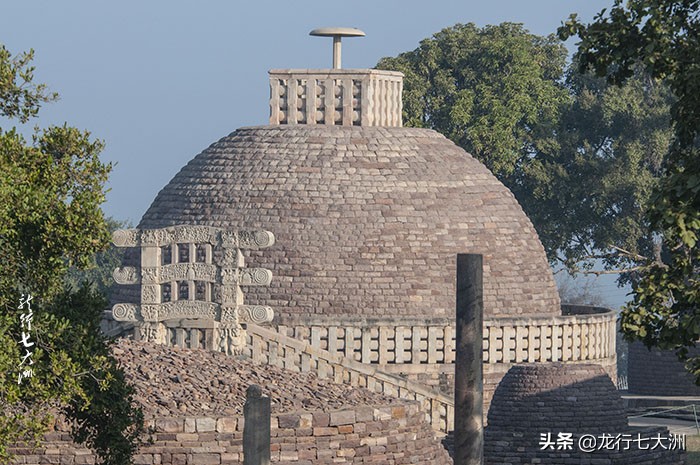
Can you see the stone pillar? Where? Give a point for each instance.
(469, 387)
(256, 428)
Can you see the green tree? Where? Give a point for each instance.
(663, 38)
(98, 272)
(50, 219)
(586, 197)
(580, 155)
(493, 91)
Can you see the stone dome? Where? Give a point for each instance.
(368, 221)
(556, 397)
(537, 406)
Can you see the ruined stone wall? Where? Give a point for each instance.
(658, 373)
(395, 434)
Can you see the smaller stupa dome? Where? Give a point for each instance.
(557, 397)
(554, 413)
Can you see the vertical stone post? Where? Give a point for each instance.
(469, 386)
(256, 428)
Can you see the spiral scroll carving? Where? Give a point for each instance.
(255, 277)
(124, 312)
(125, 275)
(255, 314)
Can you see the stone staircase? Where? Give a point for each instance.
(268, 346)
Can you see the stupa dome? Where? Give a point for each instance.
(368, 220)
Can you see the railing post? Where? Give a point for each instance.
(256, 428)
(469, 388)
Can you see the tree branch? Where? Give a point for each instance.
(622, 271)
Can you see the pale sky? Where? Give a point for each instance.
(159, 81)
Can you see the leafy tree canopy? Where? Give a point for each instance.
(494, 91)
(663, 38)
(50, 218)
(581, 156)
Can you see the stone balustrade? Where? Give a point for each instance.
(566, 338)
(267, 346)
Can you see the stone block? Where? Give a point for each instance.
(206, 459)
(321, 419)
(343, 417)
(205, 425)
(226, 425)
(291, 421)
(306, 420)
(363, 414)
(169, 425)
(190, 425)
(325, 431)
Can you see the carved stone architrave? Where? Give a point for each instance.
(229, 239)
(124, 312)
(188, 309)
(185, 271)
(125, 238)
(125, 275)
(255, 239)
(194, 234)
(150, 312)
(156, 237)
(229, 315)
(257, 314)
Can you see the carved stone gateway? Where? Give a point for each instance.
(190, 279)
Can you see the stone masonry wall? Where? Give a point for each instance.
(658, 373)
(395, 434)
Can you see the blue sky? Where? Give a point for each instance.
(160, 81)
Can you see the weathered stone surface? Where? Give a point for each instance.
(366, 207)
(199, 383)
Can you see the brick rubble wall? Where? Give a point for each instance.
(396, 434)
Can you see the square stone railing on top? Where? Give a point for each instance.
(190, 280)
(336, 97)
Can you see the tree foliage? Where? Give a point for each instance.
(493, 91)
(663, 38)
(98, 271)
(581, 156)
(50, 219)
